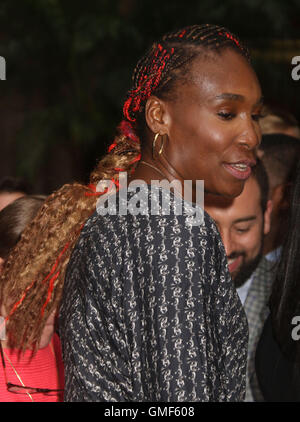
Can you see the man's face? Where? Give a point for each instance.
(242, 225)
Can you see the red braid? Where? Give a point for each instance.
(147, 83)
(127, 130)
(231, 37)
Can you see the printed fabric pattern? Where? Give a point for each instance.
(150, 313)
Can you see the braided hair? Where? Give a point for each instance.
(167, 61)
(32, 279)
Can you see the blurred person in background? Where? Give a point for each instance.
(12, 188)
(277, 120)
(280, 156)
(243, 222)
(23, 373)
(278, 350)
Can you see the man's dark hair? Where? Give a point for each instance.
(14, 218)
(11, 184)
(260, 174)
(281, 154)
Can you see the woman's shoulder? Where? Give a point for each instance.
(148, 203)
(158, 217)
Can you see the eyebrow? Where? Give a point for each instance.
(245, 219)
(236, 97)
(228, 96)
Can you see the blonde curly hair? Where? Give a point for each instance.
(32, 278)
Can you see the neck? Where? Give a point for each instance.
(142, 162)
(149, 169)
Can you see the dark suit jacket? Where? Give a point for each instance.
(278, 377)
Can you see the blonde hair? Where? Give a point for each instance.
(32, 278)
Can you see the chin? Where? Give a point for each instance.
(227, 188)
(234, 191)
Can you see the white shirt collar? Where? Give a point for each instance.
(243, 290)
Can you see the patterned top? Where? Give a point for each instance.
(149, 312)
(257, 310)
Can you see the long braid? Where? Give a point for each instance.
(32, 279)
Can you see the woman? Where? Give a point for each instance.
(149, 311)
(44, 369)
(278, 351)
(143, 320)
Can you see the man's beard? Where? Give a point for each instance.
(246, 269)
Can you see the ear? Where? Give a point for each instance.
(277, 195)
(156, 115)
(267, 217)
(260, 153)
(286, 197)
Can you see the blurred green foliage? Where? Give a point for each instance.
(71, 62)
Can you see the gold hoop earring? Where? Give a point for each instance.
(154, 145)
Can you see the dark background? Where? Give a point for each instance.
(69, 63)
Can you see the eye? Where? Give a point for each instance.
(225, 115)
(242, 230)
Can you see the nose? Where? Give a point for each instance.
(250, 136)
(228, 242)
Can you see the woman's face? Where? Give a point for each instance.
(213, 125)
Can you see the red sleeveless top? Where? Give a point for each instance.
(43, 370)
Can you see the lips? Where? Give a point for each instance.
(240, 169)
(234, 264)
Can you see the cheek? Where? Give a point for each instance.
(197, 148)
(201, 133)
(204, 151)
(252, 242)
(213, 140)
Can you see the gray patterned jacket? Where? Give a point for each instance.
(257, 310)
